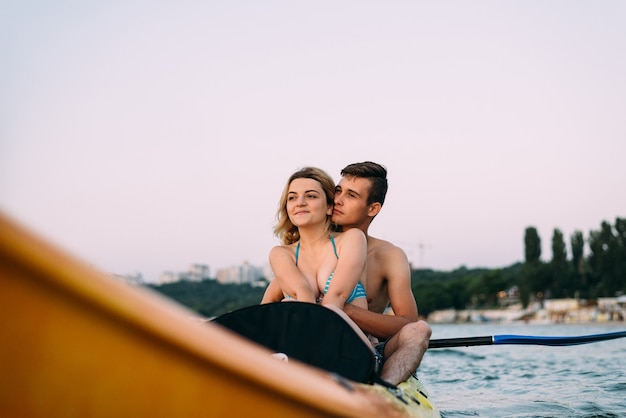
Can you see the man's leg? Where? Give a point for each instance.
(404, 352)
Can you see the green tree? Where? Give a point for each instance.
(211, 298)
(604, 260)
(484, 288)
(431, 296)
(577, 246)
(530, 276)
(558, 265)
(532, 245)
(620, 253)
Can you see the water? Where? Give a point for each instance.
(524, 380)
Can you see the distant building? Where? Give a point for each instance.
(134, 279)
(508, 297)
(613, 309)
(244, 273)
(168, 277)
(196, 273)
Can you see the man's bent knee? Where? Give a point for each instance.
(424, 328)
(419, 331)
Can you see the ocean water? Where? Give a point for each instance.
(526, 380)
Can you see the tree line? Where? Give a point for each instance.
(600, 271)
(211, 298)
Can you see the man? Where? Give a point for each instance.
(359, 197)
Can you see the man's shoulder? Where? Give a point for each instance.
(383, 250)
(382, 246)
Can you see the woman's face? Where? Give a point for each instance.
(306, 203)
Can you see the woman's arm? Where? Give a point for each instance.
(288, 277)
(273, 293)
(352, 253)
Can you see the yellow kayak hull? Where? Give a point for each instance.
(78, 343)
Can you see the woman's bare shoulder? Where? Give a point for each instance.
(351, 234)
(282, 250)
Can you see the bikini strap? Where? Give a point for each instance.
(297, 252)
(332, 239)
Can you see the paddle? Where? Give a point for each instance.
(524, 339)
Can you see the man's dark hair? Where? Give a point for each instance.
(376, 173)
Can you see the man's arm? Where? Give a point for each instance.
(398, 273)
(394, 266)
(379, 325)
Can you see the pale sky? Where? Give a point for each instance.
(147, 136)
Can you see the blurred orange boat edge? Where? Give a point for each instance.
(78, 343)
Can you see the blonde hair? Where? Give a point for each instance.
(285, 230)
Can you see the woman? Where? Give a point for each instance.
(314, 263)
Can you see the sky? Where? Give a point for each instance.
(143, 137)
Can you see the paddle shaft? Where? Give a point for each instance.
(524, 340)
(460, 342)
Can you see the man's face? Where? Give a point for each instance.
(351, 208)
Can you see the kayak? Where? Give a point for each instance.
(412, 398)
(77, 342)
(325, 337)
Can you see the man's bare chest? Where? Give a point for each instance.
(377, 294)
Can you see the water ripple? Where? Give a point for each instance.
(527, 381)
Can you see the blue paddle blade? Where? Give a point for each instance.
(556, 341)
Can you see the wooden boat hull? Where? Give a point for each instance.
(78, 343)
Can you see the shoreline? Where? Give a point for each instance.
(547, 312)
